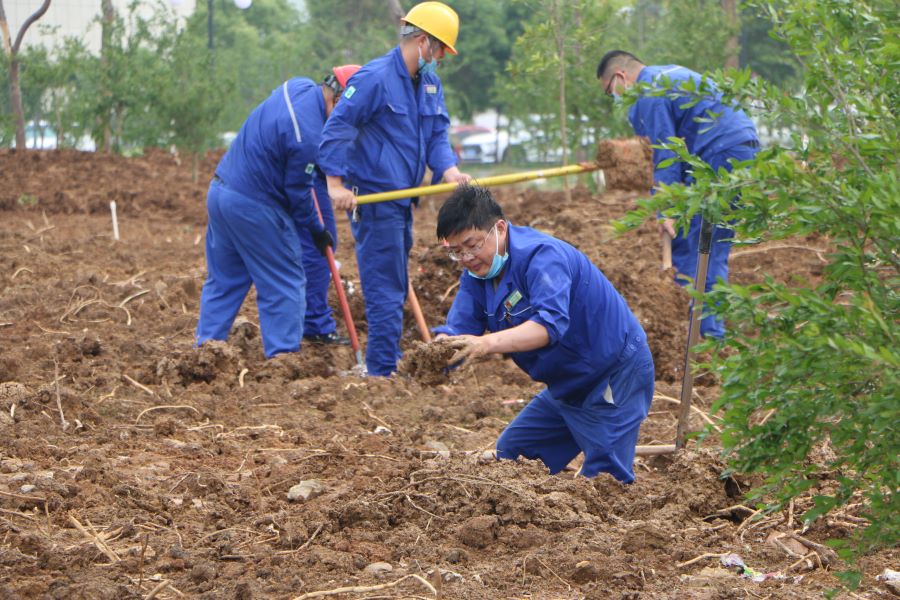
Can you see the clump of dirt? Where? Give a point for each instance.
(627, 163)
(427, 363)
(212, 359)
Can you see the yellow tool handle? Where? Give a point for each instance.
(430, 190)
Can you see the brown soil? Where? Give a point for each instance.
(176, 462)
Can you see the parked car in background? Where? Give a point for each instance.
(484, 147)
(533, 139)
(459, 133)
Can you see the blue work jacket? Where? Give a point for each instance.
(386, 128)
(273, 156)
(707, 128)
(551, 283)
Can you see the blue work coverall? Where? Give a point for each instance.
(730, 135)
(597, 367)
(380, 136)
(258, 202)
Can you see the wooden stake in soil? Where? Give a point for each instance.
(687, 384)
(62, 417)
(666, 250)
(115, 220)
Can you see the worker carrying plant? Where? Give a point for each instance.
(690, 109)
(545, 304)
(390, 124)
(263, 226)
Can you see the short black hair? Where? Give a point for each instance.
(470, 207)
(615, 58)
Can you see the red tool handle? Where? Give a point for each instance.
(342, 298)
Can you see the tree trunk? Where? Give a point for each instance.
(4, 31)
(12, 49)
(15, 94)
(109, 15)
(732, 46)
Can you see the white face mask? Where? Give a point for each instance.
(430, 66)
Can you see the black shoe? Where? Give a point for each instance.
(327, 338)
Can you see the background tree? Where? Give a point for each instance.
(11, 50)
(255, 50)
(37, 76)
(557, 51)
(188, 101)
(765, 54)
(487, 33)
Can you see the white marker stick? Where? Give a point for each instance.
(115, 220)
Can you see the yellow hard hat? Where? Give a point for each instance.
(437, 20)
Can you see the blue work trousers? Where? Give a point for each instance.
(319, 318)
(686, 248)
(383, 234)
(606, 431)
(251, 241)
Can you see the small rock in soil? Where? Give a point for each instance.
(379, 568)
(450, 576)
(440, 447)
(584, 572)
(488, 456)
(305, 490)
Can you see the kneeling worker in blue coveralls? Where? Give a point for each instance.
(731, 135)
(261, 209)
(390, 125)
(541, 301)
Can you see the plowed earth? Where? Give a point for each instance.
(134, 466)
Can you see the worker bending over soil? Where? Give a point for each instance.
(711, 130)
(391, 123)
(263, 227)
(540, 300)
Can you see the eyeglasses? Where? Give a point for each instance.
(468, 253)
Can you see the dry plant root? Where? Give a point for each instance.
(362, 589)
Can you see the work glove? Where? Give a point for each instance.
(322, 240)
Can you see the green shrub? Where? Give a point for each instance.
(822, 357)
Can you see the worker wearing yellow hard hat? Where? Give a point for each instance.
(437, 20)
(390, 124)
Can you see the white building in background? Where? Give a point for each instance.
(74, 18)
